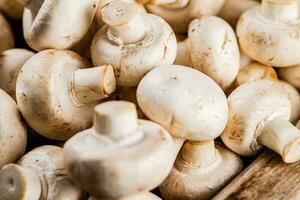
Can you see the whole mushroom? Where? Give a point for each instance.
(39, 174)
(111, 160)
(132, 42)
(12, 8)
(56, 92)
(259, 113)
(6, 35)
(269, 33)
(211, 48)
(12, 131)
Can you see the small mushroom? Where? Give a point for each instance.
(56, 92)
(111, 160)
(291, 75)
(140, 196)
(269, 33)
(259, 115)
(12, 8)
(179, 13)
(40, 174)
(11, 62)
(56, 24)
(211, 48)
(13, 136)
(133, 43)
(6, 35)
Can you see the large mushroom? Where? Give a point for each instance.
(6, 35)
(56, 92)
(111, 160)
(39, 174)
(259, 115)
(133, 43)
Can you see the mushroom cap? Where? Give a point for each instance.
(271, 43)
(132, 61)
(200, 182)
(12, 8)
(44, 97)
(179, 19)
(57, 24)
(12, 131)
(11, 62)
(185, 101)
(143, 196)
(250, 106)
(214, 49)
(113, 170)
(291, 75)
(6, 35)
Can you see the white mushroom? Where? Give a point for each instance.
(6, 35)
(269, 33)
(179, 13)
(12, 8)
(140, 196)
(211, 48)
(111, 160)
(132, 43)
(56, 24)
(40, 174)
(11, 62)
(291, 75)
(56, 95)
(13, 135)
(259, 115)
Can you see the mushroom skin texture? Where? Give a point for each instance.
(6, 35)
(179, 13)
(291, 75)
(140, 196)
(194, 181)
(259, 115)
(111, 160)
(186, 102)
(13, 132)
(211, 48)
(11, 62)
(56, 24)
(56, 92)
(132, 42)
(12, 8)
(269, 33)
(40, 174)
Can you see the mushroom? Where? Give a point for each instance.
(211, 48)
(40, 174)
(12, 8)
(12, 131)
(233, 9)
(140, 196)
(132, 43)
(291, 75)
(6, 35)
(56, 93)
(179, 13)
(259, 115)
(269, 33)
(56, 24)
(111, 160)
(199, 114)
(11, 62)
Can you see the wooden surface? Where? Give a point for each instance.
(267, 178)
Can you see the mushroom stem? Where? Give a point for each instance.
(92, 84)
(280, 10)
(183, 54)
(199, 153)
(282, 137)
(167, 3)
(125, 23)
(19, 183)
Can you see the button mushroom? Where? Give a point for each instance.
(199, 114)
(269, 33)
(56, 93)
(40, 174)
(291, 75)
(11, 62)
(179, 13)
(6, 35)
(132, 43)
(11, 8)
(211, 48)
(259, 114)
(12, 131)
(140, 196)
(111, 160)
(56, 24)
